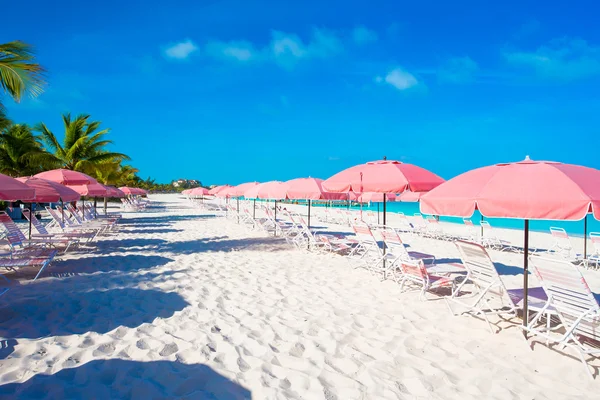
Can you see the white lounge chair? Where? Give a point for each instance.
(562, 245)
(415, 273)
(489, 294)
(576, 306)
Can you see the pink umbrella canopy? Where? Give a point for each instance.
(225, 192)
(217, 189)
(12, 189)
(113, 192)
(49, 192)
(66, 177)
(93, 189)
(274, 190)
(132, 191)
(410, 196)
(376, 197)
(240, 190)
(199, 191)
(310, 189)
(525, 190)
(383, 176)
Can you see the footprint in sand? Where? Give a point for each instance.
(169, 349)
(87, 342)
(297, 350)
(105, 349)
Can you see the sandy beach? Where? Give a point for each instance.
(183, 303)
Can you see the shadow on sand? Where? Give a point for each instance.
(93, 264)
(152, 231)
(140, 221)
(216, 244)
(119, 379)
(59, 310)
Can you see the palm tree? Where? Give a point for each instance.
(83, 146)
(4, 121)
(19, 74)
(21, 153)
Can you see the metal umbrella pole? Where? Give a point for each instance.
(585, 238)
(526, 276)
(309, 214)
(30, 210)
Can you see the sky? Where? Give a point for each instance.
(236, 91)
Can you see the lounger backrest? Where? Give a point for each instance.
(561, 238)
(569, 293)
(35, 222)
(74, 213)
(55, 217)
(595, 238)
(415, 270)
(478, 263)
(365, 235)
(14, 235)
(394, 243)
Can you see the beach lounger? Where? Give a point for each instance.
(569, 294)
(489, 295)
(367, 249)
(18, 241)
(491, 240)
(67, 240)
(562, 245)
(39, 258)
(397, 249)
(415, 273)
(90, 234)
(473, 233)
(593, 260)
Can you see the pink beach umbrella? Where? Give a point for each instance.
(528, 190)
(383, 176)
(11, 189)
(66, 177)
(93, 189)
(113, 192)
(410, 197)
(272, 190)
(217, 189)
(132, 191)
(48, 191)
(240, 190)
(369, 197)
(310, 189)
(199, 191)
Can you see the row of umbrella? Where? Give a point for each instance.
(59, 185)
(526, 190)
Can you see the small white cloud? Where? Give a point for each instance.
(362, 35)
(561, 59)
(287, 48)
(235, 50)
(378, 79)
(458, 70)
(400, 79)
(181, 50)
(333, 158)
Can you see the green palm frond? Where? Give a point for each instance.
(19, 73)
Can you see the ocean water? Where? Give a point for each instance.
(574, 228)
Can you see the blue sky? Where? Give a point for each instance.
(232, 91)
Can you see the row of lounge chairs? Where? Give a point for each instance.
(563, 312)
(133, 203)
(71, 227)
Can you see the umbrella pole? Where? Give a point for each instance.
(30, 209)
(62, 209)
(275, 217)
(254, 210)
(384, 222)
(585, 237)
(481, 228)
(309, 214)
(378, 214)
(526, 277)
(105, 205)
(238, 209)
(95, 207)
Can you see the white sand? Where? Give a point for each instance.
(180, 303)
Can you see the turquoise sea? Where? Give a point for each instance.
(574, 228)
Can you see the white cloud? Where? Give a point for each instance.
(284, 49)
(362, 35)
(181, 50)
(560, 59)
(287, 48)
(241, 51)
(458, 70)
(400, 79)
